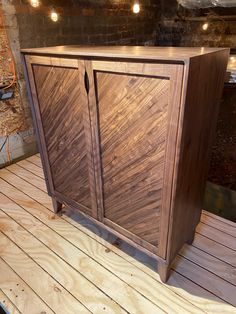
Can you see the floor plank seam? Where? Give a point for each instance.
(38, 176)
(32, 163)
(202, 234)
(216, 257)
(212, 274)
(26, 180)
(219, 219)
(225, 232)
(223, 301)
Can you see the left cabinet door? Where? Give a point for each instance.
(60, 107)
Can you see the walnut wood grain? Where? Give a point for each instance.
(172, 54)
(203, 85)
(131, 110)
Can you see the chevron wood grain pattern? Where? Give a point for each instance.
(209, 289)
(131, 109)
(64, 130)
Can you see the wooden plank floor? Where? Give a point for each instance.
(65, 264)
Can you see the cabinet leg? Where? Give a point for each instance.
(191, 238)
(163, 271)
(57, 206)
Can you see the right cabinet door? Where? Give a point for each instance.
(137, 107)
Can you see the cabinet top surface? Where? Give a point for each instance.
(179, 54)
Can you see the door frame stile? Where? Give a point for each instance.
(171, 156)
(92, 105)
(173, 72)
(83, 68)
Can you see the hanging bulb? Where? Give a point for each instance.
(205, 26)
(54, 16)
(136, 7)
(35, 3)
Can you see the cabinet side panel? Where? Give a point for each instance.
(61, 107)
(133, 128)
(204, 80)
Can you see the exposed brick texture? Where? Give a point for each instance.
(87, 22)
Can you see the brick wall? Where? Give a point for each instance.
(88, 22)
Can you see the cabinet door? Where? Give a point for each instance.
(137, 108)
(61, 106)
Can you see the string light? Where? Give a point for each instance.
(205, 26)
(35, 3)
(136, 7)
(54, 16)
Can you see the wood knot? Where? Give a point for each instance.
(57, 289)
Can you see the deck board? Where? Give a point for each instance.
(213, 248)
(96, 272)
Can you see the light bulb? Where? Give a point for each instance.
(205, 26)
(136, 7)
(35, 3)
(54, 16)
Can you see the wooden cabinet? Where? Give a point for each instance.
(124, 135)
